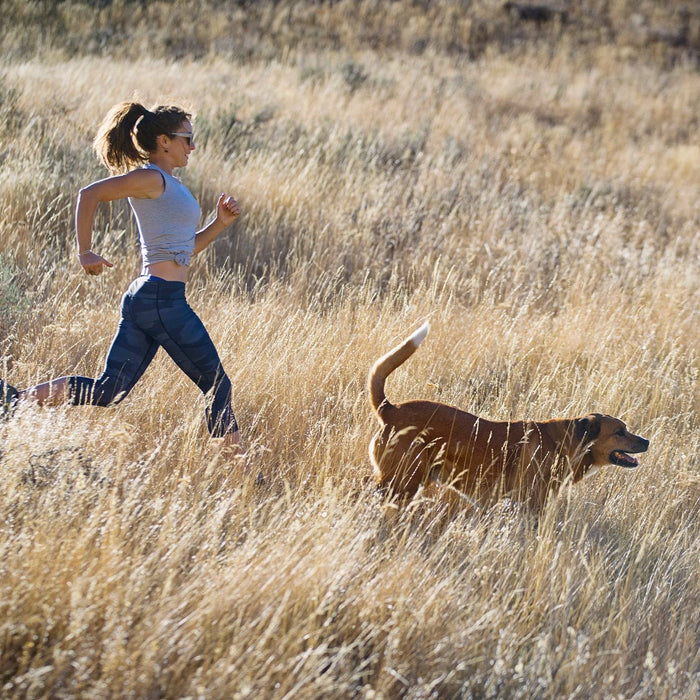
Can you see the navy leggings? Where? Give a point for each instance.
(155, 313)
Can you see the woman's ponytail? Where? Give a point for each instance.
(114, 142)
(129, 133)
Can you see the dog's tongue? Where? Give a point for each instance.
(622, 459)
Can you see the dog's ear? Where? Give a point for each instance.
(587, 428)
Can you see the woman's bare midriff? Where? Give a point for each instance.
(168, 270)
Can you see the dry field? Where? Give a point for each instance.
(536, 200)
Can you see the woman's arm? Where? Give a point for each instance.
(141, 184)
(227, 211)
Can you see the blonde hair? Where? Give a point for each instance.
(129, 133)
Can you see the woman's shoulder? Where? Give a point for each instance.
(139, 184)
(147, 182)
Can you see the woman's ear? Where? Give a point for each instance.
(163, 140)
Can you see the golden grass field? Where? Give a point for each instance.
(537, 201)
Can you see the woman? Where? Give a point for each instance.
(145, 147)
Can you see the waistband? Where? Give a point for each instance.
(156, 288)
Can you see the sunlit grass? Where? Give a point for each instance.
(540, 212)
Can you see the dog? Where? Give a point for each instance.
(432, 446)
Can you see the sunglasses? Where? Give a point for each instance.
(185, 135)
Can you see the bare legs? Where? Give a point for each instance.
(52, 393)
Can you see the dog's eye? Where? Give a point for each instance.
(620, 432)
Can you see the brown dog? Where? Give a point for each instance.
(429, 444)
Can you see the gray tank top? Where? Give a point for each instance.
(167, 224)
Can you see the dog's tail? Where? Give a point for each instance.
(385, 365)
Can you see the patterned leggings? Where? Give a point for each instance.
(155, 313)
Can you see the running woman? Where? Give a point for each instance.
(142, 148)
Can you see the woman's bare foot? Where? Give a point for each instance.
(232, 447)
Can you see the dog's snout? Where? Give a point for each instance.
(637, 443)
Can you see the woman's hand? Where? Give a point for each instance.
(227, 209)
(93, 263)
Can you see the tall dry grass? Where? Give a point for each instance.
(542, 212)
